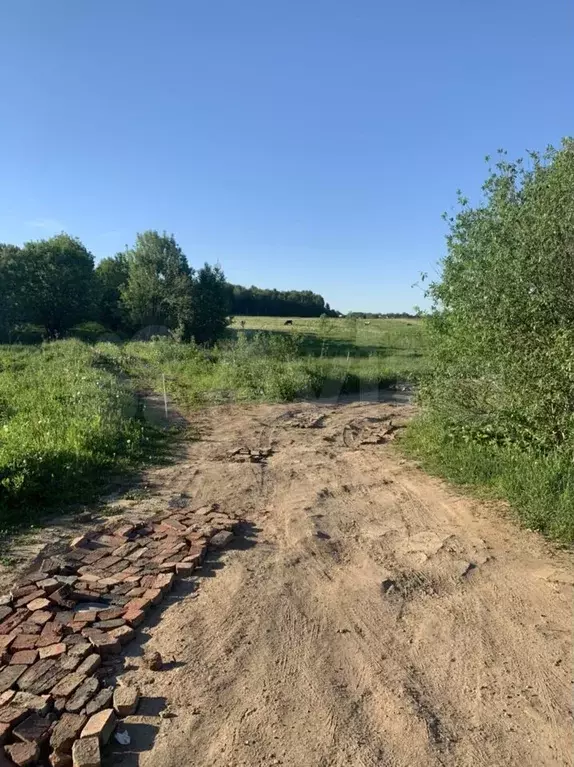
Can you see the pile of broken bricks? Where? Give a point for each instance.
(62, 624)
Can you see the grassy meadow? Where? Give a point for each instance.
(66, 419)
(365, 352)
(69, 414)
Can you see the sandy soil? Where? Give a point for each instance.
(371, 616)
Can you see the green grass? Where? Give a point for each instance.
(66, 420)
(539, 487)
(69, 416)
(268, 361)
(365, 352)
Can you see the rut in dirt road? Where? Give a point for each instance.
(372, 617)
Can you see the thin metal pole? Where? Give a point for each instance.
(164, 395)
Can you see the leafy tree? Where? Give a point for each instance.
(277, 303)
(502, 325)
(111, 277)
(210, 305)
(158, 288)
(53, 283)
(9, 289)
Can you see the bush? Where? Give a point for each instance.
(502, 332)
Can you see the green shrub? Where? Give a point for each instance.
(501, 336)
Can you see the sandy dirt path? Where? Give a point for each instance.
(371, 616)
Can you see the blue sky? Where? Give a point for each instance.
(306, 144)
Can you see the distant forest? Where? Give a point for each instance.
(278, 303)
(381, 316)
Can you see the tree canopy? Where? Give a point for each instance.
(502, 324)
(52, 284)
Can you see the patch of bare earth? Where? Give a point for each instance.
(374, 617)
(369, 616)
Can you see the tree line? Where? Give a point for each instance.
(54, 284)
(278, 303)
(383, 316)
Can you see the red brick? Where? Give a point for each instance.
(5, 611)
(48, 639)
(111, 541)
(134, 616)
(155, 595)
(136, 592)
(124, 634)
(53, 650)
(61, 597)
(24, 657)
(34, 729)
(48, 585)
(79, 649)
(127, 549)
(95, 556)
(36, 594)
(67, 685)
(100, 725)
(137, 555)
(106, 644)
(106, 562)
(52, 628)
(42, 676)
(58, 759)
(140, 603)
(12, 715)
(23, 754)
(102, 700)
(86, 752)
(40, 704)
(40, 617)
(9, 675)
(6, 641)
(113, 624)
(27, 627)
(110, 613)
(22, 591)
(10, 623)
(183, 569)
(5, 731)
(125, 530)
(6, 697)
(126, 701)
(164, 582)
(89, 577)
(66, 731)
(89, 664)
(82, 695)
(87, 616)
(24, 642)
(80, 541)
(38, 604)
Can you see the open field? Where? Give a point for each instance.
(395, 346)
(69, 413)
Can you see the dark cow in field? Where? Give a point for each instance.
(288, 322)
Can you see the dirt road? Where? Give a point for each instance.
(371, 617)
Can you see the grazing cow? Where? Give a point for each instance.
(288, 322)
(367, 323)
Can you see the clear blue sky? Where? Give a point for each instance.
(307, 144)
